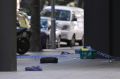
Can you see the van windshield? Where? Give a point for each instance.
(63, 15)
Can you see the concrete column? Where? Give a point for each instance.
(97, 25)
(8, 35)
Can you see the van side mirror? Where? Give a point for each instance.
(49, 27)
(74, 19)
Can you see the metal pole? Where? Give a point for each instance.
(53, 28)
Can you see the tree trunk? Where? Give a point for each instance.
(35, 42)
(80, 3)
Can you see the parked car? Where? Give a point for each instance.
(45, 33)
(69, 23)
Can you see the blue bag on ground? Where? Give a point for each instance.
(33, 68)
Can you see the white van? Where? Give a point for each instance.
(69, 23)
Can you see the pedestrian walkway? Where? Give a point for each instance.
(68, 67)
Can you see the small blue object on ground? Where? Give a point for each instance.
(77, 51)
(90, 54)
(87, 52)
(33, 68)
(64, 53)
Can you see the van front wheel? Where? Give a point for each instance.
(71, 42)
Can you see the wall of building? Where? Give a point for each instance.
(97, 24)
(102, 25)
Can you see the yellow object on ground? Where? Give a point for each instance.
(84, 49)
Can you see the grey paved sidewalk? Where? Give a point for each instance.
(68, 67)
